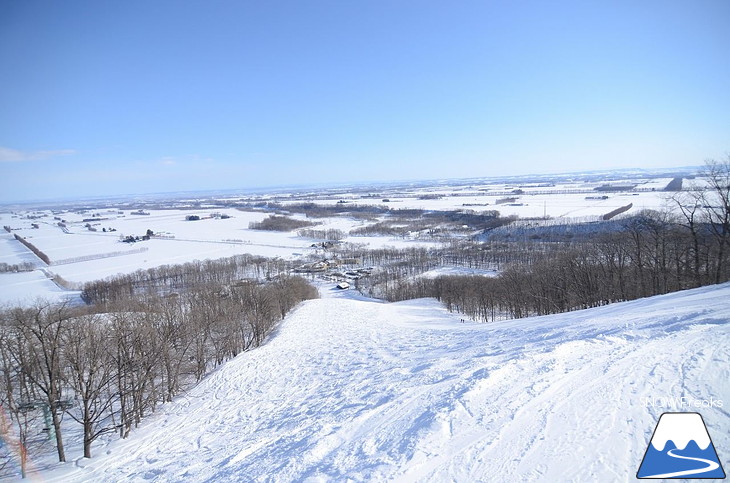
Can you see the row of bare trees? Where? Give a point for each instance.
(279, 223)
(107, 366)
(653, 252)
(332, 234)
(650, 257)
(16, 267)
(34, 249)
(707, 205)
(170, 279)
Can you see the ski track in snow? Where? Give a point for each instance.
(352, 390)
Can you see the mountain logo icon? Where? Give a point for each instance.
(680, 448)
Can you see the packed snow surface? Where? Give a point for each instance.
(356, 390)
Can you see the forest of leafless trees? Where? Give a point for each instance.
(169, 279)
(108, 365)
(279, 223)
(646, 254)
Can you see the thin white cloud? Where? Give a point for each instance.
(8, 155)
(187, 160)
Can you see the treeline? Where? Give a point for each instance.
(618, 211)
(553, 269)
(16, 267)
(653, 254)
(392, 228)
(411, 261)
(482, 220)
(316, 210)
(99, 256)
(33, 248)
(279, 223)
(169, 279)
(402, 223)
(108, 366)
(433, 224)
(331, 234)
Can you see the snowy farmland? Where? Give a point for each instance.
(406, 392)
(348, 388)
(84, 241)
(80, 254)
(526, 205)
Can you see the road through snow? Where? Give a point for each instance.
(356, 390)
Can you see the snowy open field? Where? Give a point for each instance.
(82, 251)
(562, 205)
(80, 255)
(356, 390)
(26, 287)
(566, 198)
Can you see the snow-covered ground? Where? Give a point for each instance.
(80, 255)
(81, 250)
(25, 288)
(574, 199)
(351, 389)
(527, 205)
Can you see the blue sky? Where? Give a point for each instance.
(136, 96)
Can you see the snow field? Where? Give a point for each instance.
(13, 252)
(180, 241)
(25, 288)
(211, 238)
(528, 205)
(356, 390)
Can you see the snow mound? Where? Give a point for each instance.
(353, 390)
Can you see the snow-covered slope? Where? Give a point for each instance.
(359, 390)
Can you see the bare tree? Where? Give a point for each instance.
(40, 330)
(716, 206)
(90, 372)
(689, 204)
